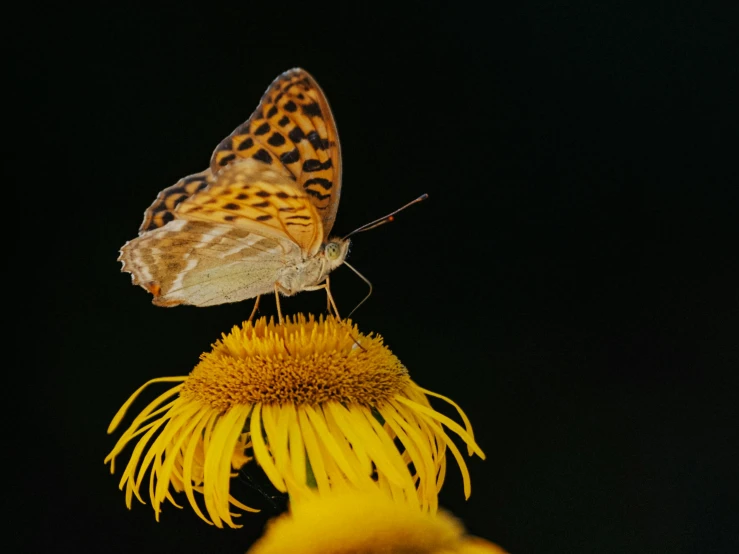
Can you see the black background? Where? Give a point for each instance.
(571, 280)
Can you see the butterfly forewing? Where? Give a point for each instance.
(250, 195)
(161, 211)
(292, 130)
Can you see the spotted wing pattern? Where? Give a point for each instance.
(293, 130)
(250, 195)
(161, 211)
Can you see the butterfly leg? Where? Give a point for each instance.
(328, 296)
(254, 310)
(277, 299)
(331, 303)
(279, 314)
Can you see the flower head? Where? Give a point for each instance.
(315, 403)
(348, 522)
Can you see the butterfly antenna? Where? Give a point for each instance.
(377, 222)
(366, 281)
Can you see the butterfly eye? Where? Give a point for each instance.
(332, 250)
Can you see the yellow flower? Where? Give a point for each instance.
(350, 522)
(315, 403)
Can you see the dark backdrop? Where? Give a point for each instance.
(571, 280)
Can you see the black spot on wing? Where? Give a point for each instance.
(284, 121)
(263, 156)
(272, 111)
(261, 204)
(265, 217)
(226, 159)
(316, 165)
(231, 206)
(263, 194)
(246, 144)
(175, 199)
(312, 110)
(290, 157)
(316, 141)
(276, 139)
(317, 194)
(290, 106)
(296, 135)
(263, 129)
(325, 183)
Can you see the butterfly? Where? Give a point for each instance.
(258, 219)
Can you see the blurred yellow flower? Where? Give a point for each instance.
(315, 403)
(352, 522)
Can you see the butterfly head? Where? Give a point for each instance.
(335, 251)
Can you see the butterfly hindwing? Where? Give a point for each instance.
(292, 130)
(202, 264)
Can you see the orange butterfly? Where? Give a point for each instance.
(257, 220)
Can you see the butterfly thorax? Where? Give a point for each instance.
(313, 270)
